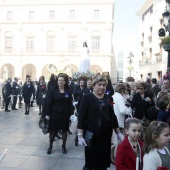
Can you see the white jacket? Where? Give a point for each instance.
(152, 160)
(120, 109)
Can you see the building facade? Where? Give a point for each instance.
(40, 37)
(152, 58)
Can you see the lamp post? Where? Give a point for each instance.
(166, 21)
(130, 67)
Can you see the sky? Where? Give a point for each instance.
(126, 23)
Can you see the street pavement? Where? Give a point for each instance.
(26, 145)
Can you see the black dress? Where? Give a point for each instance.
(27, 91)
(41, 92)
(89, 117)
(60, 109)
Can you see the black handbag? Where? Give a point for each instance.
(88, 137)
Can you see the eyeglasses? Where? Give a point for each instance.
(140, 88)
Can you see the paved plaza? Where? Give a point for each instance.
(26, 145)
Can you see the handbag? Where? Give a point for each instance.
(88, 137)
(152, 113)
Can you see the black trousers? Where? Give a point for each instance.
(14, 102)
(7, 100)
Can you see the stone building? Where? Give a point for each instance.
(38, 37)
(152, 57)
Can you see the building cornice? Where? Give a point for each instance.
(145, 6)
(57, 2)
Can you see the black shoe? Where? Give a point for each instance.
(49, 150)
(14, 109)
(64, 150)
(58, 137)
(39, 113)
(69, 132)
(7, 110)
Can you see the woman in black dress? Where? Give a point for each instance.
(41, 94)
(97, 116)
(27, 93)
(79, 92)
(60, 108)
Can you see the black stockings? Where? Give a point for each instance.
(27, 108)
(40, 109)
(64, 137)
(53, 134)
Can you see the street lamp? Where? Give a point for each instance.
(130, 67)
(166, 22)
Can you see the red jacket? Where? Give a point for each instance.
(125, 156)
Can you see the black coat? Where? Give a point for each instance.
(155, 90)
(59, 108)
(41, 92)
(101, 122)
(27, 91)
(89, 112)
(8, 89)
(15, 88)
(78, 94)
(141, 106)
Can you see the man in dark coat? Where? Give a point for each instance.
(155, 88)
(15, 92)
(8, 94)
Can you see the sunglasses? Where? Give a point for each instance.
(140, 88)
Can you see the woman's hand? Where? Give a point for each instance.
(81, 141)
(47, 117)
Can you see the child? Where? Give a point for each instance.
(156, 155)
(129, 153)
(162, 113)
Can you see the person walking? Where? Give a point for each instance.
(27, 91)
(41, 94)
(59, 110)
(96, 122)
(8, 94)
(15, 93)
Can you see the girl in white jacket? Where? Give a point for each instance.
(156, 155)
(120, 107)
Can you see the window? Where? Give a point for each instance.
(31, 15)
(141, 76)
(120, 74)
(96, 14)
(95, 45)
(50, 44)
(30, 45)
(9, 16)
(71, 45)
(120, 64)
(150, 75)
(72, 14)
(8, 44)
(159, 75)
(51, 14)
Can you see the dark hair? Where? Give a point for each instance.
(142, 84)
(161, 104)
(129, 121)
(154, 80)
(153, 130)
(65, 76)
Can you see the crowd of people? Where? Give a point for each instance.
(137, 114)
